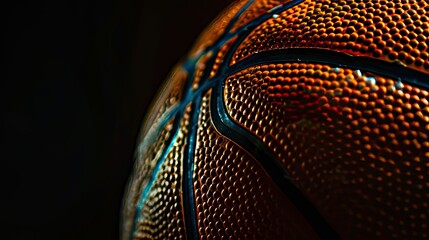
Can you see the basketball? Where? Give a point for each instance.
(291, 119)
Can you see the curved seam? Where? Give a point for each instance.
(155, 172)
(190, 63)
(244, 32)
(188, 168)
(392, 70)
(195, 96)
(270, 164)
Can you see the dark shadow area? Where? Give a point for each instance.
(77, 78)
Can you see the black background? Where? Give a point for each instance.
(77, 77)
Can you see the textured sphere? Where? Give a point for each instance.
(291, 120)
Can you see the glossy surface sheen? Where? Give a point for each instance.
(291, 120)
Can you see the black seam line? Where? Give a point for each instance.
(244, 32)
(153, 175)
(394, 70)
(270, 163)
(214, 48)
(188, 168)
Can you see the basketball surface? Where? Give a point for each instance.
(291, 120)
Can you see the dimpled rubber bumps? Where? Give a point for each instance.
(143, 168)
(354, 142)
(153, 137)
(389, 30)
(352, 139)
(162, 216)
(234, 197)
